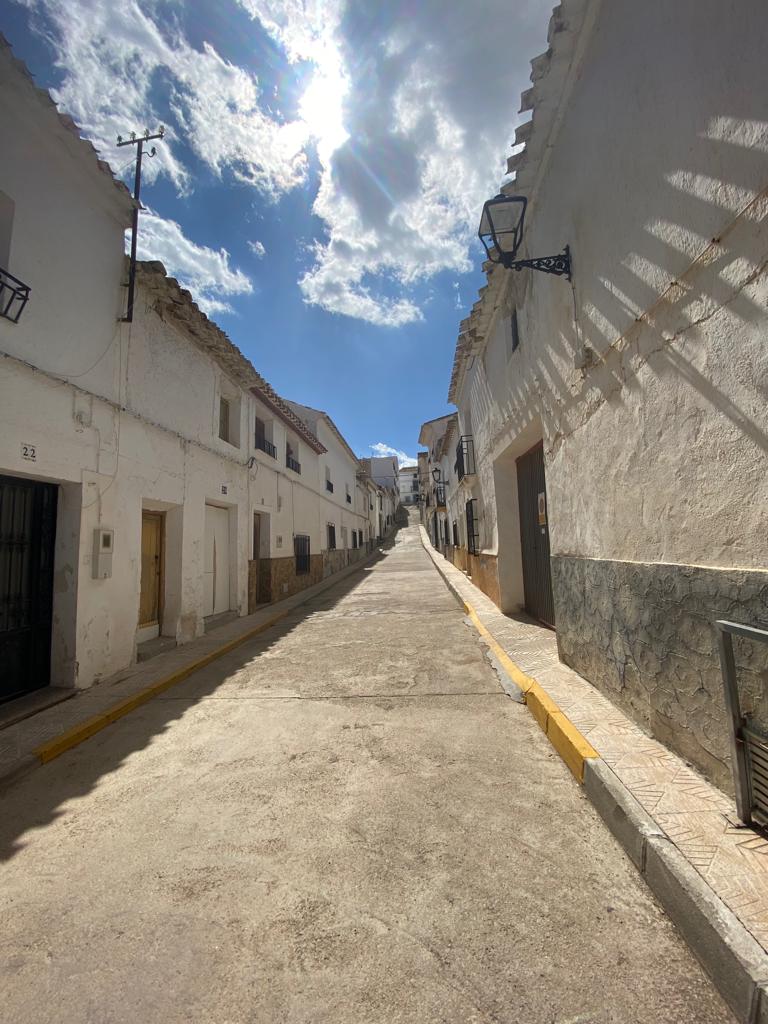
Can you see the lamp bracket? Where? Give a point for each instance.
(559, 265)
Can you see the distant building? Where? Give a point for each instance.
(409, 485)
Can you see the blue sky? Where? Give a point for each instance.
(321, 180)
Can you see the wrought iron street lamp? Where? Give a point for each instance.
(501, 232)
(436, 474)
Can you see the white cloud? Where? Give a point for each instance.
(427, 120)
(257, 248)
(117, 60)
(205, 272)
(409, 107)
(381, 450)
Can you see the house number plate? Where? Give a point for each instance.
(29, 452)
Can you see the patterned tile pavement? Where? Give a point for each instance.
(699, 819)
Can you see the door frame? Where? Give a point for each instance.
(149, 631)
(538, 446)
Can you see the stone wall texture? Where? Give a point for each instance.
(272, 579)
(482, 568)
(643, 634)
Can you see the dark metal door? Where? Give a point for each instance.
(27, 534)
(534, 535)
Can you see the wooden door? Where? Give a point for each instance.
(534, 535)
(216, 572)
(150, 600)
(27, 535)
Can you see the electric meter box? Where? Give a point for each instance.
(103, 541)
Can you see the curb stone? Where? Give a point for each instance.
(735, 962)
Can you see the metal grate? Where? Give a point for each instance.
(301, 551)
(473, 533)
(749, 747)
(266, 446)
(14, 295)
(465, 457)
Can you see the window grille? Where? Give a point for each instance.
(331, 537)
(301, 551)
(473, 534)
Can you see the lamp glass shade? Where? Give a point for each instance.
(501, 226)
(436, 475)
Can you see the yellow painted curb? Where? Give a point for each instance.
(571, 745)
(84, 730)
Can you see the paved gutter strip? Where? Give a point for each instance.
(731, 956)
(53, 748)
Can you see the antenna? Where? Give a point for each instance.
(138, 141)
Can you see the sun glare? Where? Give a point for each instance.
(321, 109)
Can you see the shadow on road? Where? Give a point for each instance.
(36, 800)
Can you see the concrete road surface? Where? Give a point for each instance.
(344, 821)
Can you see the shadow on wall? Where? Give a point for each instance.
(50, 788)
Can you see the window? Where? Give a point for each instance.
(328, 483)
(513, 335)
(331, 537)
(301, 552)
(291, 457)
(354, 539)
(473, 533)
(360, 537)
(224, 419)
(262, 437)
(455, 534)
(349, 496)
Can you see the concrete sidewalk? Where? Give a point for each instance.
(44, 735)
(709, 872)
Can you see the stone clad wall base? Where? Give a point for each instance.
(272, 579)
(643, 634)
(482, 568)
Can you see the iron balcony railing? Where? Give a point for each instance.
(291, 463)
(266, 446)
(749, 743)
(465, 457)
(329, 486)
(13, 296)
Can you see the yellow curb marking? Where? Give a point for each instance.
(83, 730)
(571, 745)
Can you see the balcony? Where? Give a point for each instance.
(13, 296)
(329, 486)
(291, 463)
(266, 446)
(465, 457)
(440, 495)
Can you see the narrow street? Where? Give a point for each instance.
(344, 820)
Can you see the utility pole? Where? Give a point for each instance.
(137, 141)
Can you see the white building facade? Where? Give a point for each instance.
(409, 485)
(616, 424)
(150, 479)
